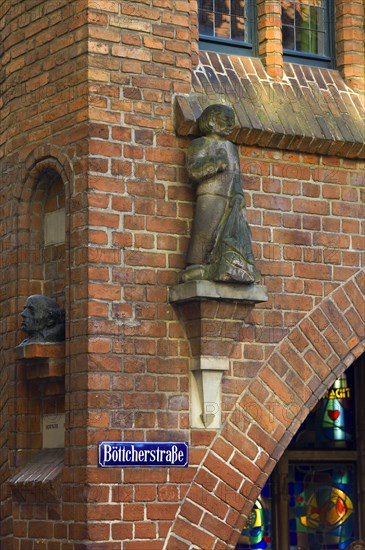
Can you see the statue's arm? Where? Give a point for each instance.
(205, 159)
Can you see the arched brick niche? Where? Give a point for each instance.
(38, 395)
(265, 418)
(42, 237)
(41, 225)
(41, 258)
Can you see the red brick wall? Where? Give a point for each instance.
(310, 243)
(350, 42)
(43, 126)
(109, 133)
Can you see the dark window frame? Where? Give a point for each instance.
(246, 49)
(235, 47)
(318, 60)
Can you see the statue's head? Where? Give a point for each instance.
(357, 545)
(43, 319)
(217, 119)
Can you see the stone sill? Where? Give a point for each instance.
(207, 290)
(40, 480)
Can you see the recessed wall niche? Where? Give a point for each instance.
(42, 266)
(39, 420)
(47, 236)
(51, 196)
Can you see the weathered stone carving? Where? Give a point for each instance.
(220, 246)
(43, 320)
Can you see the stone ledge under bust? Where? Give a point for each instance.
(43, 359)
(208, 290)
(41, 349)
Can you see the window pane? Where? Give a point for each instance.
(257, 533)
(331, 423)
(288, 37)
(302, 17)
(288, 12)
(206, 17)
(321, 506)
(225, 19)
(238, 19)
(223, 26)
(238, 7)
(238, 28)
(321, 43)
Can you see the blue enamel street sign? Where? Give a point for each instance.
(127, 453)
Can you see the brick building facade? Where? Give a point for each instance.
(100, 100)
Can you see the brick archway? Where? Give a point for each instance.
(266, 416)
(42, 158)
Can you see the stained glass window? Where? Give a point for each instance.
(257, 533)
(321, 506)
(314, 500)
(224, 19)
(304, 26)
(331, 423)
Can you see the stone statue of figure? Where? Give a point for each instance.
(43, 320)
(220, 246)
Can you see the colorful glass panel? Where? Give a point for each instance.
(321, 506)
(257, 532)
(331, 423)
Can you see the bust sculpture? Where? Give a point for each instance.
(43, 320)
(220, 246)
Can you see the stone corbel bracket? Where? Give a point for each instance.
(205, 383)
(213, 314)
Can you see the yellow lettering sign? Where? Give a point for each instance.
(338, 393)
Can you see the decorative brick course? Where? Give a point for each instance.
(324, 116)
